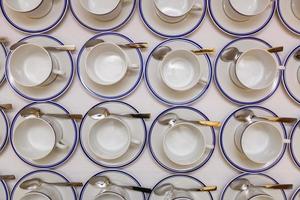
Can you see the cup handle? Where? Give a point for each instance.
(281, 67)
(197, 6)
(133, 67)
(210, 147)
(61, 144)
(135, 142)
(286, 141)
(59, 72)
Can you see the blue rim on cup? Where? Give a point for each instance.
(52, 26)
(4, 185)
(246, 174)
(239, 34)
(232, 99)
(99, 163)
(291, 150)
(285, 23)
(166, 167)
(60, 93)
(172, 36)
(41, 171)
(110, 170)
(120, 96)
(123, 23)
(295, 98)
(71, 151)
(227, 158)
(5, 52)
(5, 141)
(165, 101)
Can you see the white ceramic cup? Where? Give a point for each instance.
(181, 70)
(32, 9)
(35, 138)
(255, 69)
(103, 10)
(184, 143)
(175, 11)
(260, 141)
(253, 194)
(107, 64)
(110, 138)
(295, 5)
(45, 192)
(113, 193)
(243, 10)
(32, 66)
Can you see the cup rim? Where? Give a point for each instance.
(124, 58)
(32, 192)
(109, 192)
(100, 14)
(120, 153)
(195, 80)
(249, 15)
(174, 16)
(42, 49)
(20, 10)
(52, 132)
(296, 12)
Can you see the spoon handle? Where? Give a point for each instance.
(139, 115)
(275, 49)
(67, 184)
(6, 107)
(279, 186)
(3, 40)
(66, 116)
(208, 188)
(280, 119)
(139, 189)
(61, 48)
(7, 177)
(138, 45)
(203, 51)
(209, 123)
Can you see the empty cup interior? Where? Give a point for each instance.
(110, 196)
(23, 6)
(174, 9)
(34, 138)
(262, 142)
(109, 138)
(184, 144)
(256, 69)
(30, 65)
(106, 64)
(249, 7)
(99, 7)
(180, 70)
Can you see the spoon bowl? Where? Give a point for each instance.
(231, 54)
(161, 52)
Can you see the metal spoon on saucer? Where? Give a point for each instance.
(246, 115)
(6, 107)
(164, 188)
(103, 182)
(171, 118)
(35, 183)
(162, 51)
(7, 177)
(232, 54)
(38, 113)
(242, 184)
(138, 45)
(101, 112)
(49, 48)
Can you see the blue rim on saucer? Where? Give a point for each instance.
(292, 152)
(296, 99)
(239, 34)
(6, 131)
(172, 36)
(295, 194)
(227, 158)
(41, 171)
(120, 96)
(123, 23)
(246, 174)
(60, 93)
(180, 175)
(4, 185)
(232, 99)
(166, 101)
(99, 163)
(112, 170)
(57, 22)
(168, 168)
(71, 151)
(5, 52)
(285, 23)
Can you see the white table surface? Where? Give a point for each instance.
(78, 100)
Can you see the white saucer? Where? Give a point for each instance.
(67, 193)
(57, 157)
(42, 25)
(2, 63)
(234, 28)
(137, 127)
(123, 88)
(169, 30)
(4, 129)
(289, 78)
(255, 179)
(182, 181)
(89, 192)
(164, 93)
(156, 139)
(4, 193)
(295, 144)
(287, 17)
(53, 90)
(232, 155)
(234, 93)
(88, 21)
